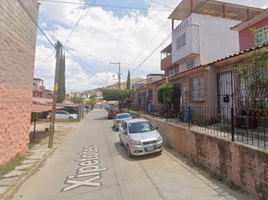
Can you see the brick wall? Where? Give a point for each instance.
(245, 165)
(20, 24)
(17, 51)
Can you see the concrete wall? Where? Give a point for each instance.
(17, 53)
(246, 166)
(208, 38)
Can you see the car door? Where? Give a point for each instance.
(122, 132)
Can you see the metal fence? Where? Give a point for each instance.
(224, 122)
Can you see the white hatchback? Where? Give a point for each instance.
(140, 137)
(61, 114)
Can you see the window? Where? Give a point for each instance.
(261, 35)
(181, 41)
(150, 95)
(190, 64)
(171, 72)
(197, 89)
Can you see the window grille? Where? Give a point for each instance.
(197, 89)
(181, 41)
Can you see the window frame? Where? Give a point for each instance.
(199, 91)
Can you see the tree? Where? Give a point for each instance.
(167, 93)
(93, 96)
(128, 80)
(92, 102)
(61, 81)
(78, 100)
(254, 80)
(116, 95)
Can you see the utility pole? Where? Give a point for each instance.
(119, 74)
(55, 95)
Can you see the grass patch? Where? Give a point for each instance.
(11, 165)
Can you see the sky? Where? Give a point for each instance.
(97, 35)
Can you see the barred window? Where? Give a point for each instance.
(181, 41)
(190, 64)
(171, 72)
(261, 36)
(197, 89)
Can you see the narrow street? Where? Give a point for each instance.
(91, 164)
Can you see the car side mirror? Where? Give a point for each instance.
(156, 128)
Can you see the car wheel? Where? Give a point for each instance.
(129, 152)
(70, 117)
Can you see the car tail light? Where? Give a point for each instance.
(117, 121)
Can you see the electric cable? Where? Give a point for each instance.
(36, 23)
(122, 32)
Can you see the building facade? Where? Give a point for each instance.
(18, 28)
(253, 31)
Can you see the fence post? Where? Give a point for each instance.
(189, 117)
(153, 109)
(167, 114)
(232, 120)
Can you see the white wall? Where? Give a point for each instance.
(207, 38)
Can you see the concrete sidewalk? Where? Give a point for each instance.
(35, 157)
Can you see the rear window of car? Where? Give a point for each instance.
(123, 116)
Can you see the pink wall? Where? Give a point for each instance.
(245, 165)
(246, 37)
(16, 77)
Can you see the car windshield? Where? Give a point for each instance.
(140, 127)
(123, 116)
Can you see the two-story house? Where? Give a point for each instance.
(253, 31)
(202, 37)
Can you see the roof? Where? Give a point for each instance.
(167, 49)
(42, 108)
(251, 21)
(213, 8)
(41, 100)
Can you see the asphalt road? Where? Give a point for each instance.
(91, 164)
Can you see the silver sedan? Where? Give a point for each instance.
(119, 118)
(140, 137)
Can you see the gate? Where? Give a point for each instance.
(225, 94)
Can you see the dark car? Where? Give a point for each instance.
(113, 112)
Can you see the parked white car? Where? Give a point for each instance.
(119, 118)
(61, 114)
(140, 137)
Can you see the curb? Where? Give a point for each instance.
(16, 187)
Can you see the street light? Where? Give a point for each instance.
(119, 74)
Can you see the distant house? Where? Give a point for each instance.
(191, 61)
(18, 29)
(38, 87)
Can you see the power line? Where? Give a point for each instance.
(72, 55)
(36, 23)
(122, 31)
(132, 34)
(43, 62)
(94, 1)
(149, 42)
(104, 5)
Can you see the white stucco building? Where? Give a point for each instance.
(203, 34)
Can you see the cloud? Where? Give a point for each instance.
(103, 36)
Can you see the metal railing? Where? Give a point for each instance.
(221, 121)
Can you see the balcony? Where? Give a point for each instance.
(186, 44)
(166, 58)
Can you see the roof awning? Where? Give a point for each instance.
(42, 108)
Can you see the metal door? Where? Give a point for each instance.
(225, 94)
